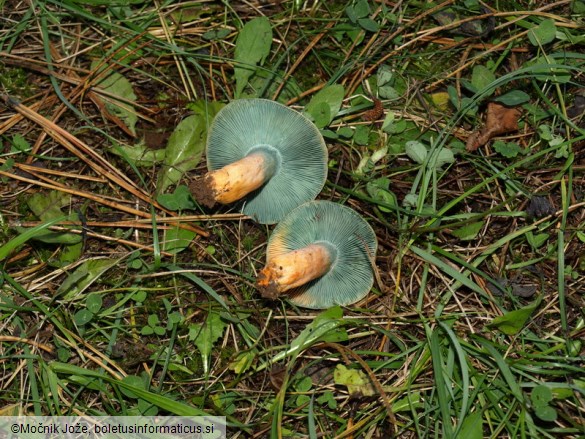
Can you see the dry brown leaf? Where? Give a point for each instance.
(499, 120)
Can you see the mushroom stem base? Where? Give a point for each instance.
(234, 181)
(293, 269)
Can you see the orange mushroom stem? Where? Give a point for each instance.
(293, 269)
(234, 181)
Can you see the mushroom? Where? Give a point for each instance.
(320, 255)
(266, 151)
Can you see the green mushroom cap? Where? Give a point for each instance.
(295, 147)
(352, 243)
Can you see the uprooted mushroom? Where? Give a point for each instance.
(319, 255)
(265, 152)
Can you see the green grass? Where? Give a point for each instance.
(120, 295)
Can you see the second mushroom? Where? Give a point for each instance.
(320, 255)
(266, 152)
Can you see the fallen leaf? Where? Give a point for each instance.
(499, 120)
(116, 99)
(357, 382)
(512, 322)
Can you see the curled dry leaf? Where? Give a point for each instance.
(499, 120)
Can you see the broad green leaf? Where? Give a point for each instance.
(47, 206)
(304, 384)
(361, 9)
(243, 361)
(468, 231)
(378, 190)
(507, 149)
(85, 275)
(544, 33)
(472, 427)
(351, 14)
(119, 98)
(25, 235)
(19, 143)
(546, 413)
(94, 303)
(545, 132)
(82, 317)
(328, 398)
(384, 75)
(356, 381)
(70, 253)
(541, 395)
(174, 318)
(180, 199)
(328, 134)
(416, 151)
(321, 114)
(50, 237)
(332, 96)
(361, 135)
(453, 96)
(252, 47)
(139, 296)
(401, 126)
(513, 98)
(513, 321)
(153, 320)
(482, 77)
(147, 330)
(536, 240)
(183, 151)
(388, 92)
(206, 334)
(139, 154)
(444, 157)
(388, 124)
(368, 24)
(177, 239)
(345, 132)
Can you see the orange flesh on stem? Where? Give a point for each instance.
(238, 179)
(293, 269)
